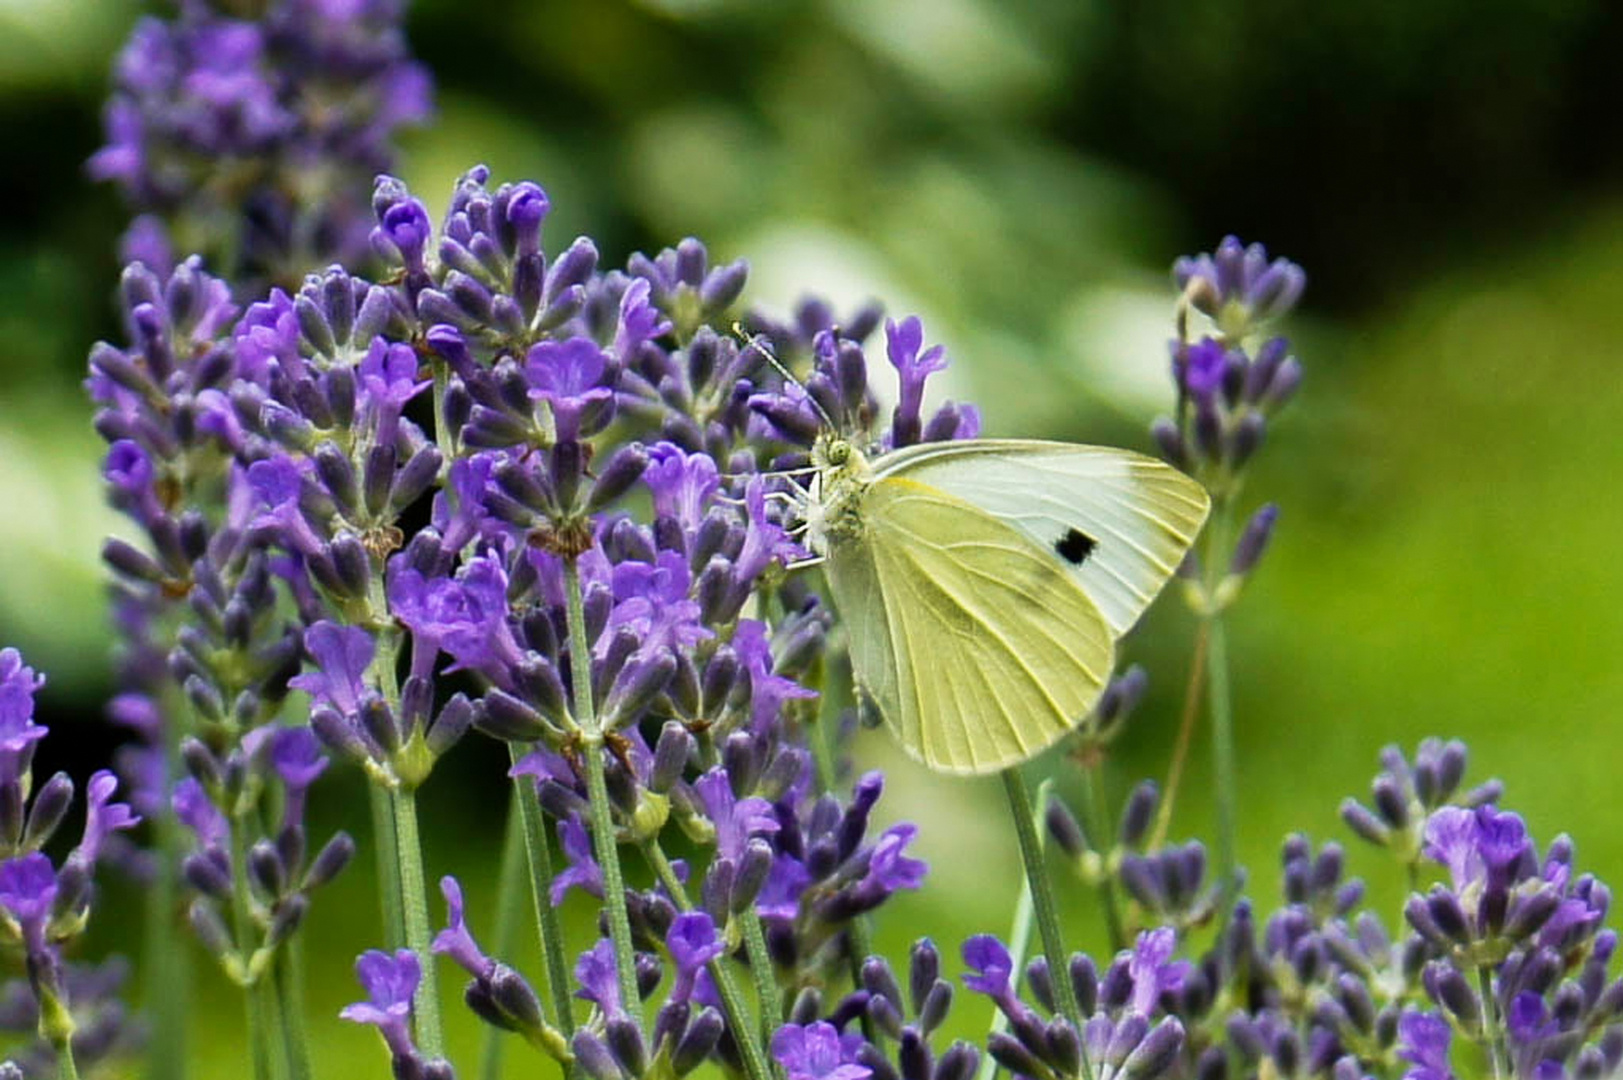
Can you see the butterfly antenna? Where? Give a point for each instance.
(763, 343)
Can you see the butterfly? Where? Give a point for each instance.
(984, 582)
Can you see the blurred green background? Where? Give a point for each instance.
(1021, 173)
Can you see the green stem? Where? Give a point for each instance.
(509, 886)
(264, 1061)
(1019, 935)
(66, 1067)
(604, 842)
(1223, 761)
(1180, 746)
(289, 975)
(607, 848)
(384, 671)
(414, 899)
(1094, 804)
(1042, 900)
(168, 961)
(1492, 1034)
(732, 1000)
(766, 984)
(1222, 709)
(385, 844)
(539, 855)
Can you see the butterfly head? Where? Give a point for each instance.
(837, 462)
(839, 473)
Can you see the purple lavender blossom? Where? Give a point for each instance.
(991, 970)
(390, 983)
(571, 377)
(582, 873)
(736, 821)
(297, 758)
(28, 889)
(1423, 1042)
(692, 943)
(455, 940)
(102, 816)
(818, 1051)
(1153, 970)
(683, 484)
(199, 814)
(18, 732)
(1482, 848)
(888, 869)
(595, 972)
(1238, 283)
(342, 655)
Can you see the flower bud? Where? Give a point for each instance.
(1064, 828)
(624, 468)
(378, 478)
(671, 753)
(700, 1039)
(50, 806)
(206, 875)
(210, 928)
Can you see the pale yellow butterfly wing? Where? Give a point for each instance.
(979, 647)
(1140, 514)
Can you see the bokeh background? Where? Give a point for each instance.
(1021, 173)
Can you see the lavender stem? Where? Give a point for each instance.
(602, 821)
(539, 856)
(1094, 807)
(509, 884)
(1042, 896)
(419, 934)
(383, 839)
(1186, 731)
(289, 976)
(1019, 933)
(732, 1001)
(263, 1059)
(56, 1027)
(1222, 707)
(385, 672)
(766, 983)
(1492, 1031)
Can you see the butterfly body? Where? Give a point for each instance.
(984, 582)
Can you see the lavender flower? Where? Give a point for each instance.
(818, 1052)
(46, 904)
(497, 993)
(1424, 1044)
(692, 943)
(391, 984)
(1238, 286)
(276, 123)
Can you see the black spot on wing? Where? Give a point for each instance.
(1075, 546)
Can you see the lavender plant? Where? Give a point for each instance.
(480, 488)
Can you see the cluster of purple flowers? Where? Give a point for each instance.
(412, 500)
(251, 139)
(1230, 379)
(488, 488)
(65, 1012)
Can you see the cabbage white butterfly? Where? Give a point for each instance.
(984, 582)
